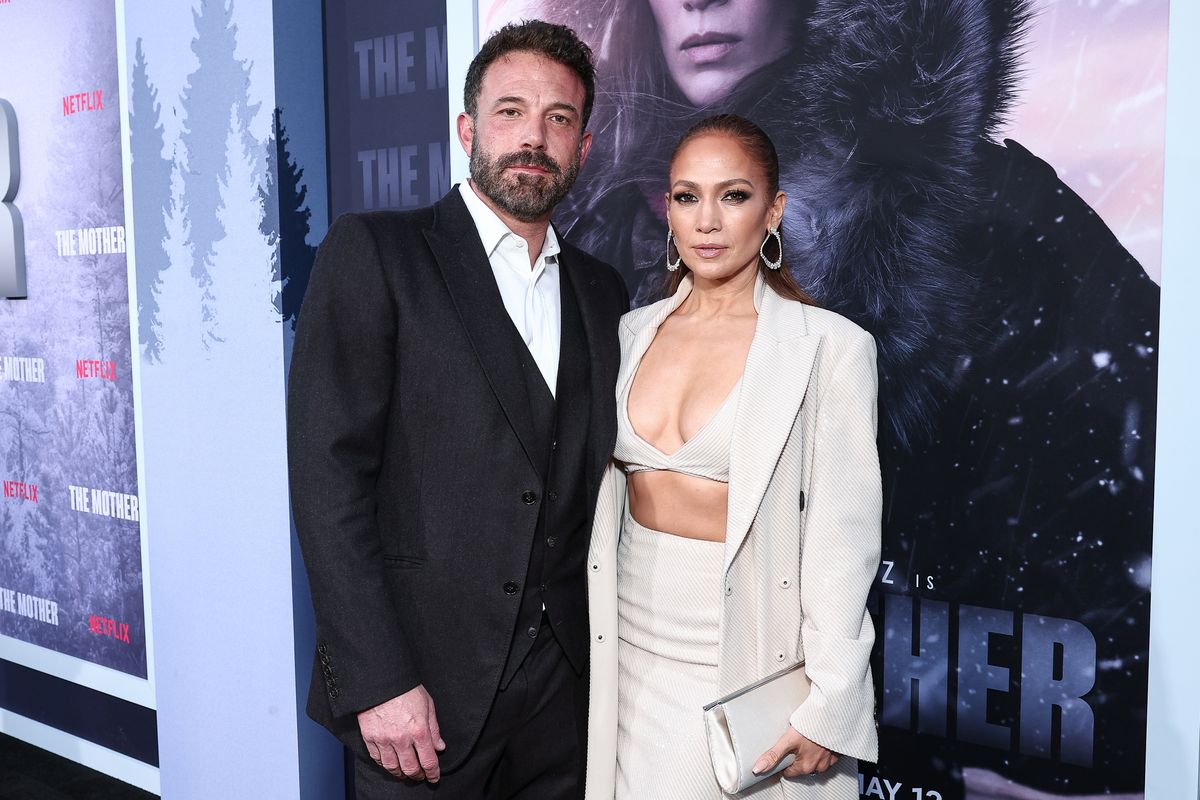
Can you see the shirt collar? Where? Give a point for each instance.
(492, 229)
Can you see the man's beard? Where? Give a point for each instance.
(527, 197)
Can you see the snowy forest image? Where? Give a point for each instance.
(197, 245)
(75, 428)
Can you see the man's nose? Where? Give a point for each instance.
(533, 135)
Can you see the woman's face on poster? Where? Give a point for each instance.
(711, 45)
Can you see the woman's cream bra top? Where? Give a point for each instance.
(704, 455)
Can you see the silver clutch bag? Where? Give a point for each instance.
(743, 725)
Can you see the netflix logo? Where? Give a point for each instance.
(103, 626)
(90, 368)
(21, 491)
(84, 101)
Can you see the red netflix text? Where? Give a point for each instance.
(103, 626)
(21, 491)
(84, 101)
(89, 368)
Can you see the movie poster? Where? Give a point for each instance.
(71, 550)
(978, 184)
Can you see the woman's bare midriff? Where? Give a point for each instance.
(679, 504)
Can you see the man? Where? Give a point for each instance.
(450, 412)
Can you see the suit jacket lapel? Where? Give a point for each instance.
(602, 362)
(776, 377)
(467, 272)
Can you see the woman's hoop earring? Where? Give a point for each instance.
(778, 262)
(672, 265)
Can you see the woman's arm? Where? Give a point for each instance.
(840, 550)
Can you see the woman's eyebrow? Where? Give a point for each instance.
(722, 185)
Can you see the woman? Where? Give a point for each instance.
(737, 531)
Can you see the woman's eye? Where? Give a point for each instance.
(737, 196)
(684, 197)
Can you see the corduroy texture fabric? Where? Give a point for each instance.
(669, 611)
(796, 571)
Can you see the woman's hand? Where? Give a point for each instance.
(811, 758)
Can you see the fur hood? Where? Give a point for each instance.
(880, 138)
(880, 117)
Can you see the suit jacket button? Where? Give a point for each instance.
(528, 498)
(511, 587)
(532, 632)
(551, 541)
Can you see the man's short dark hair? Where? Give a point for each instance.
(555, 42)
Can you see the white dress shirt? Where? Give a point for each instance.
(530, 294)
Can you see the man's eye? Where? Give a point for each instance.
(508, 112)
(684, 197)
(559, 118)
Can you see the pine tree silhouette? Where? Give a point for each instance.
(285, 223)
(151, 202)
(218, 86)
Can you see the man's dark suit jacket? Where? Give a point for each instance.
(414, 487)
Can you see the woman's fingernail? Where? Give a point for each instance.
(758, 767)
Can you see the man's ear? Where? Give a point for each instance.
(585, 146)
(466, 132)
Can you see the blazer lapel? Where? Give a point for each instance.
(639, 329)
(776, 378)
(468, 275)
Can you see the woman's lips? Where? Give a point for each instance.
(708, 48)
(710, 250)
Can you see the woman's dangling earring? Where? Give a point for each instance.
(778, 262)
(672, 265)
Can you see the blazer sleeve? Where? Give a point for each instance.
(339, 391)
(840, 554)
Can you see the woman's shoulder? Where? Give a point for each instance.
(636, 319)
(830, 325)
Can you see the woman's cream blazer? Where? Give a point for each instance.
(802, 544)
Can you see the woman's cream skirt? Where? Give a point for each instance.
(669, 607)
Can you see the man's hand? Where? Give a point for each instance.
(403, 737)
(811, 758)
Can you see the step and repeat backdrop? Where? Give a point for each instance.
(71, 545)
(980, 186)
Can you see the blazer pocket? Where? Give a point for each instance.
(403, 562)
